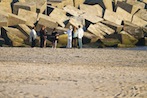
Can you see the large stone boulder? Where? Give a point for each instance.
(112, 17)
(6, 7)
(138, 21)
(90, 8)
(72, 10)
(142, 13)
(59, 16)
(124, 15)
(13, 37)
(47, 21)
(94, 29)
(24, 5)
(116, 27)
(31, 17)
(127, 39)
(3, 20)
(108, 4)
(41, 5)
(77, 3)
(133, 30)
(61, 4)
(15, 20)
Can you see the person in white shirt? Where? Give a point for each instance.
(80, 36)
(69, 39)
(33, 36)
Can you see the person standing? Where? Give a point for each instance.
(74, 37)
(43, 37)
(33, 36)
(69, 39)
(80, 36)
(55, 37)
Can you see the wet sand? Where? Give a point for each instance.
(72, 73)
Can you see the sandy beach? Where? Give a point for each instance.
(72, 73)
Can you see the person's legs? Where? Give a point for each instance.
(41, 42)
(33, 43)
(70, 43)
(55, 44)
(80, 43)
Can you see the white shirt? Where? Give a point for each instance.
(80, 33)
(33, 35)
(69, 32)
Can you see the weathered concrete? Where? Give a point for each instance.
(142, 13)
(72, 10)
(131, 7)
(113, 17)
(59, 15)
(61, 4)
(136, 6)
(138, 21)
(127, 39)
(3, 20)
(41, 5)
(105, 28)
(96, 31)
(24, 5)
(92, 18)
(6, 7)
(46, 21)
(108, 4)
(74, 22)
(15, 20)
(31, 17)
(133, 30)
(123, 15)
(98, 10)
(24, 29)
(77, 3)
(112, 25)
(13, 37)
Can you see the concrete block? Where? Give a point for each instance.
(47, 21)
(24, 5)
(108, 4)
(90, 8)
(105, 28)
(142, 13)
(124, 15)
(77, 3)
(13, 37)
(131, 7)
(61, 4)
(136, 6)
(133, 30)
(74, 22)
(31, 17)
(112, 17)
(96, 31)
(92, 18)
(59, 15)
(6, 7)
(138, 21)
(41, 5)
(127, 39)
(3, 20)
(15, 20)
(72, 10)
(112, 25)
(24, 29)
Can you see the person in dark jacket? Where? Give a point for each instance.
(55, 37)
(43, 37)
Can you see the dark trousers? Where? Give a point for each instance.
(42, 41)
(33, 43)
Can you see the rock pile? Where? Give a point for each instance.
(120, 23)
